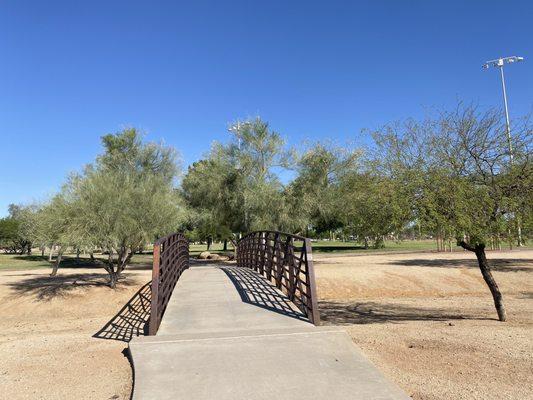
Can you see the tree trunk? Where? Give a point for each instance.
(58, 261)
(91, 255)
(51, 253)
(209, 241)
(225, 245)
(366, 243)
(520, 243)
(483, 263)
(234, 243)
(113, 279)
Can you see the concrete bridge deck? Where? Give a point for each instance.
(227, 333)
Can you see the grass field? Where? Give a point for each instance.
(10, 262)
(334, 246)
(22, 262)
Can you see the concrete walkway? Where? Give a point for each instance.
(227, 334)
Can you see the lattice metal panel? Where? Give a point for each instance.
(171, 258)
(286, 261)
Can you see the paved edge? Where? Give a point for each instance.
(141, 353)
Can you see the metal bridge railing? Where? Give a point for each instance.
(286, 261)
(171, 258)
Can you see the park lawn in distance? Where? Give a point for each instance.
(14, 262)
(216, 247)
(327, 246)
(336, 246)
(20, 262)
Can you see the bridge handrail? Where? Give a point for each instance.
(171, 258)
(285, 260)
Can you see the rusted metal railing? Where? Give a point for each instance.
(171, 258)
(286, 261)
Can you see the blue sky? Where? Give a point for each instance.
(73, 71)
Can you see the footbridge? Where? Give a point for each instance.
(246, 330)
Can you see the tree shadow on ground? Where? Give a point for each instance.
(66, 261)
(256, 290)
(46, 287)
(496, 264)
(361, 313)
(139, 266)
(131, 320)
(329, 249)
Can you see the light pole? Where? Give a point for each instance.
(499, 63)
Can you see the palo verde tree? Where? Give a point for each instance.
(126, 198)
(235, 189)
(255, 153)
(13, 238)
(209, 190)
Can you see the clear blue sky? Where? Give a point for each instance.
(73, 71)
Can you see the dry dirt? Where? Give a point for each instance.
(428, 322)
(46, 344)
(425, 319)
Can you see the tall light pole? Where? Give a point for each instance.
(499, 63)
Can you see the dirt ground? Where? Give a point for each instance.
(428, 322)
(46, 342)
(426, 319)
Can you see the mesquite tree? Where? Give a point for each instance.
(462, 180)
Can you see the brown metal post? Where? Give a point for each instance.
(291, 264)
(313, 314)
(154, 323)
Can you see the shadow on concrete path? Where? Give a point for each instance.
(254, 289)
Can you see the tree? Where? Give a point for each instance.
(372, 207)
(209, 190)
(31, 225)
(12, 237)
(125, 199)
(57, 225)
(253, 156)
(235, 189)
(9, 235)
(313, 196)
(461, 178)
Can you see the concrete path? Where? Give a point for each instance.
(227, 333)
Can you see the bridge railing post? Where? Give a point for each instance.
(154, 324)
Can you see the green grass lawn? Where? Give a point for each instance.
(323, 246)
(10, 262)
(22, 262)
(18, 262)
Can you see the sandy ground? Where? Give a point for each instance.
(46, 344)
(428, 322)
(425, 319)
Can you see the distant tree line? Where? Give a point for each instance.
(449, 177)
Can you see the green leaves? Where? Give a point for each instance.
(457, 169)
